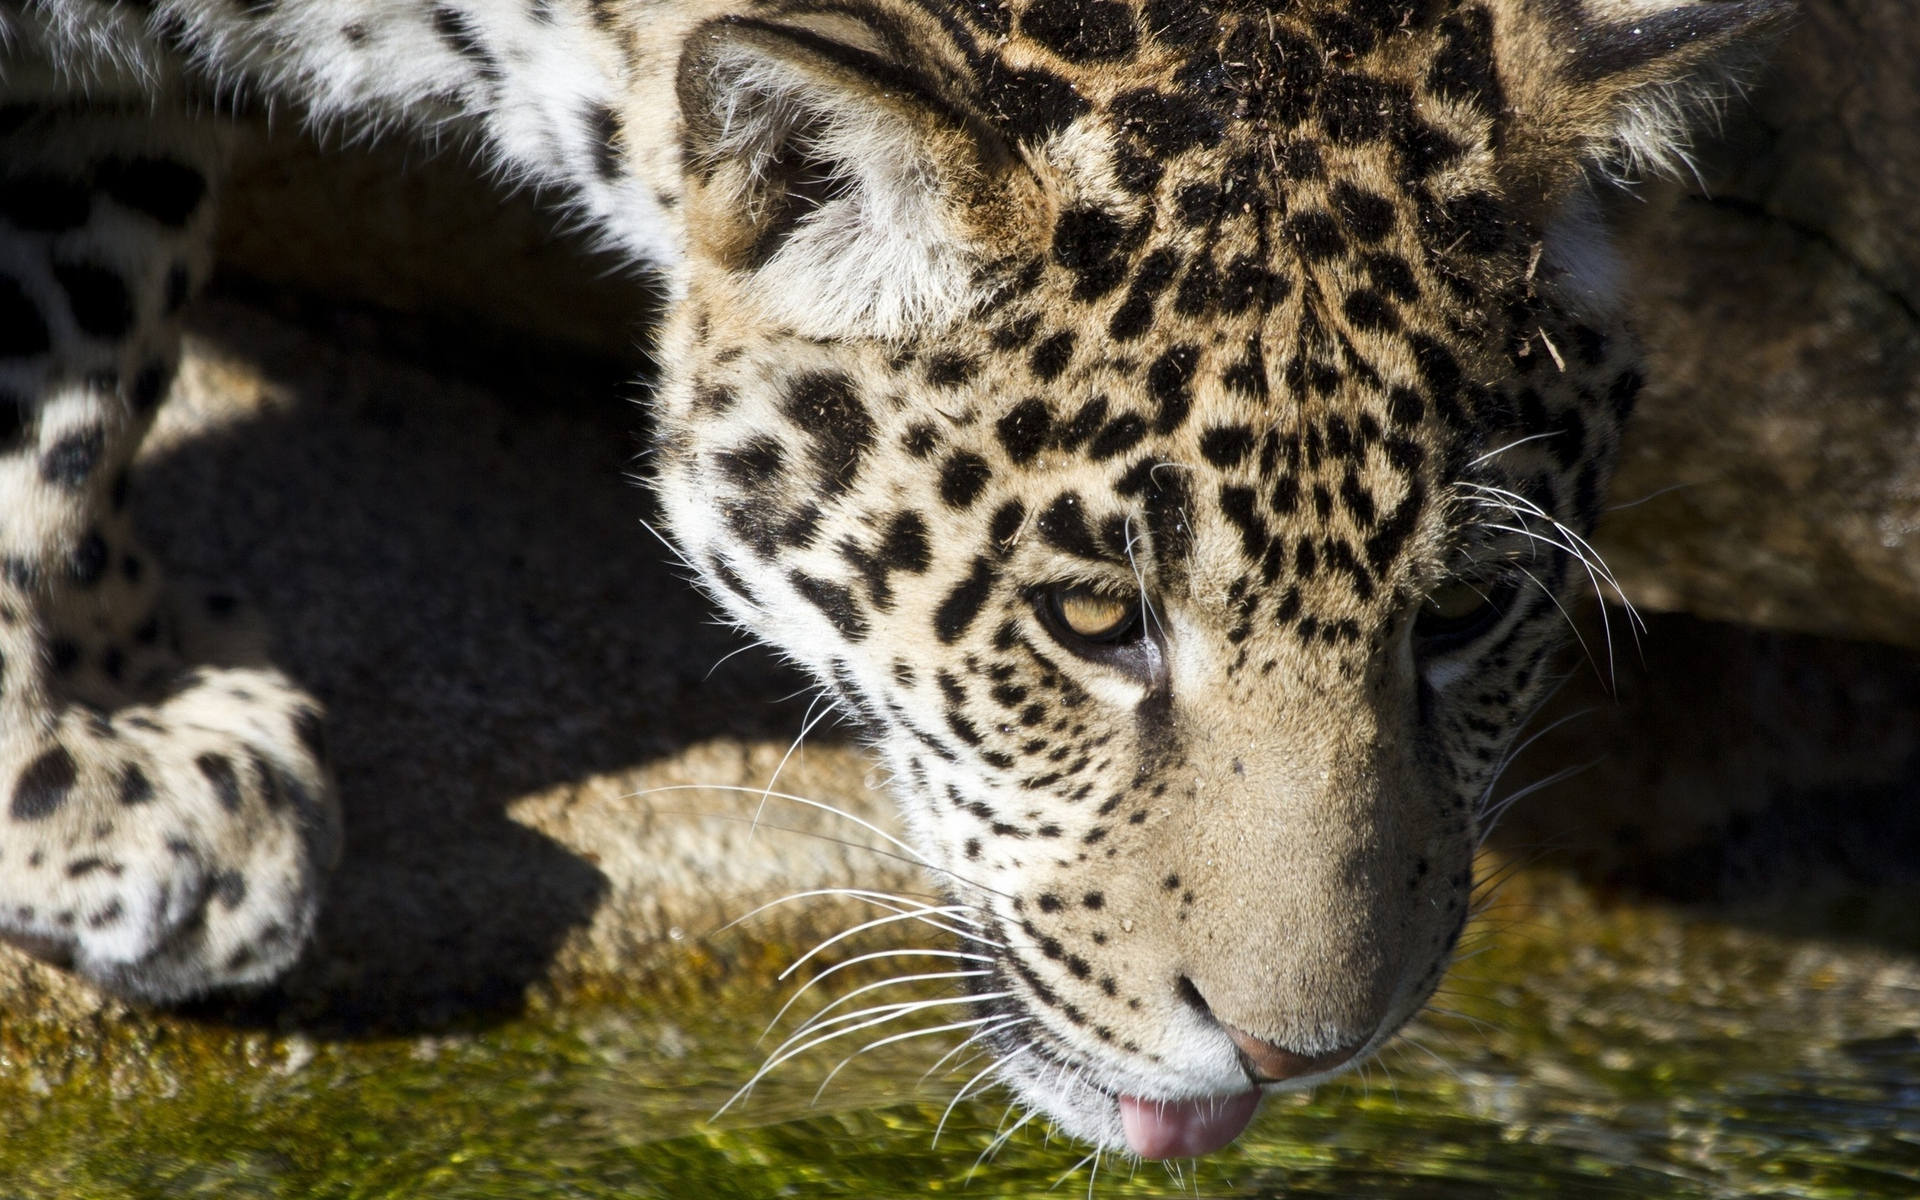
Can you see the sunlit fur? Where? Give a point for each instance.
(1271, 318)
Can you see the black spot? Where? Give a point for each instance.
(957, 612)
(921, 439)
(1167, 382)
(1135, 171)
(1168, 124)
(1369, 217)
(1199, 288)
(835, 601)
(1298, 160)
(1186, 23)
(1167, 519)
(218, 769)
(1438, 367)
(1226, 445)
(1082, 425)
(42, 788)
(44, 204)
(1005, 524)
(1237, 504)
(1248, 284)
(167, 191)
(1340, 557)
(1476, 221)
(1064, 526)
(88, 563)
(97, 297)
(1464, 68)
(1358, 500)
(1030, 105)
(1248, 377)
(1199, 203)
(221, 606)
(229, 888)
(1368, 309)
(1081, 31)
(951, 370)
(1392, 534)
(1120, 435)
(1391, 274)
(72, 459)
(825, 405)
(1406, 456)
(135, 788)
(963, 477)
(1024, 431)
(603, 135)
(754, 463)
(1317, 234)
(1135, 314)
(1355, 108)
(1091, 242)
(1423, 149)
(1051, 357)
(23, 332)
(906, 547)
(459, 32)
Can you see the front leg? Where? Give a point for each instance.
(164, 828)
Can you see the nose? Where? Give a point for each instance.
(1272, 1063)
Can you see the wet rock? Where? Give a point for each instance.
(1772, 475)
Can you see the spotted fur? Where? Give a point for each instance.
(1273, 319)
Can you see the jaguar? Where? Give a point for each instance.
(1170, 428)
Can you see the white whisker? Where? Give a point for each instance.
(877, 954)
(891, 1039)
(815, 1020)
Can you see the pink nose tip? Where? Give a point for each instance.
(1272, 1064)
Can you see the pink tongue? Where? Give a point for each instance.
(1185, 1128)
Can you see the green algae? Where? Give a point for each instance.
(1577, 1050)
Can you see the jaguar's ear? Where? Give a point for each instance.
(1624, 83)
(827, 166)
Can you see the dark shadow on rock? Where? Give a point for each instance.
(1765, 778)
(462, 575)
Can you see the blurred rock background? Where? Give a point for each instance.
(406, 431)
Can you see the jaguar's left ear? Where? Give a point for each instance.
(832, 172)
(1620, 83)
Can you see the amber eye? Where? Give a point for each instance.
(1457, 611)
(1091, 615)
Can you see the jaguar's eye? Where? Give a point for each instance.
(1093, 616)
(1458, 611)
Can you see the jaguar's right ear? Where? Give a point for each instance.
(1620, 84)
(827, 164)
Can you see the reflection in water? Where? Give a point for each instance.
(1582, 1052)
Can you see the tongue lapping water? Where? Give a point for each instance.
(1185, 1128)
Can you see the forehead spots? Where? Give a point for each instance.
(1064, 527)
(962, 478)
(1023, 431)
